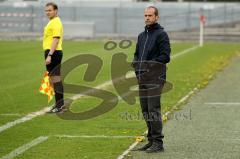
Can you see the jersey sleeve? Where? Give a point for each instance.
(57, 30)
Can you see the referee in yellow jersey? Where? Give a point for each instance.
(52, 46)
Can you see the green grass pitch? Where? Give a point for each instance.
(22, 67)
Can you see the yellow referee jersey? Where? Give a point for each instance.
(54, 28)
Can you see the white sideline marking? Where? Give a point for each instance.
(187, 96)
(20, 150)
(104, 85)
(223, 139)
(23, 148)
(93, 136)
(101, 86)
(24, 119)
(222, 103)
(127, 151)
(10, 114)
(185, 51)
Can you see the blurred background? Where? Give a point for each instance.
(97, 19)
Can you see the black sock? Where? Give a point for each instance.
(58, 88)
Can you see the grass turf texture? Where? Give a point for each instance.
(22, 68)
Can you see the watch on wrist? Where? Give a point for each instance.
(49, 54)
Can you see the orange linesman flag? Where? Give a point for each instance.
(46, 87)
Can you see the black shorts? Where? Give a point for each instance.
(54, 68)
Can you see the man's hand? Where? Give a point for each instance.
(48, 60)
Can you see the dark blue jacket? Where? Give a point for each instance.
(153, 45)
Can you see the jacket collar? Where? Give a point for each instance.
(152, 27)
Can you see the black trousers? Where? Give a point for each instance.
(150, 97)
(54, 69)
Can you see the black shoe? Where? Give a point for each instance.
(144, 148)
(156, 147)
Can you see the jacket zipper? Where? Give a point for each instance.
(143, 54)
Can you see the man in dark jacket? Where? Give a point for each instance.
(150, 58)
